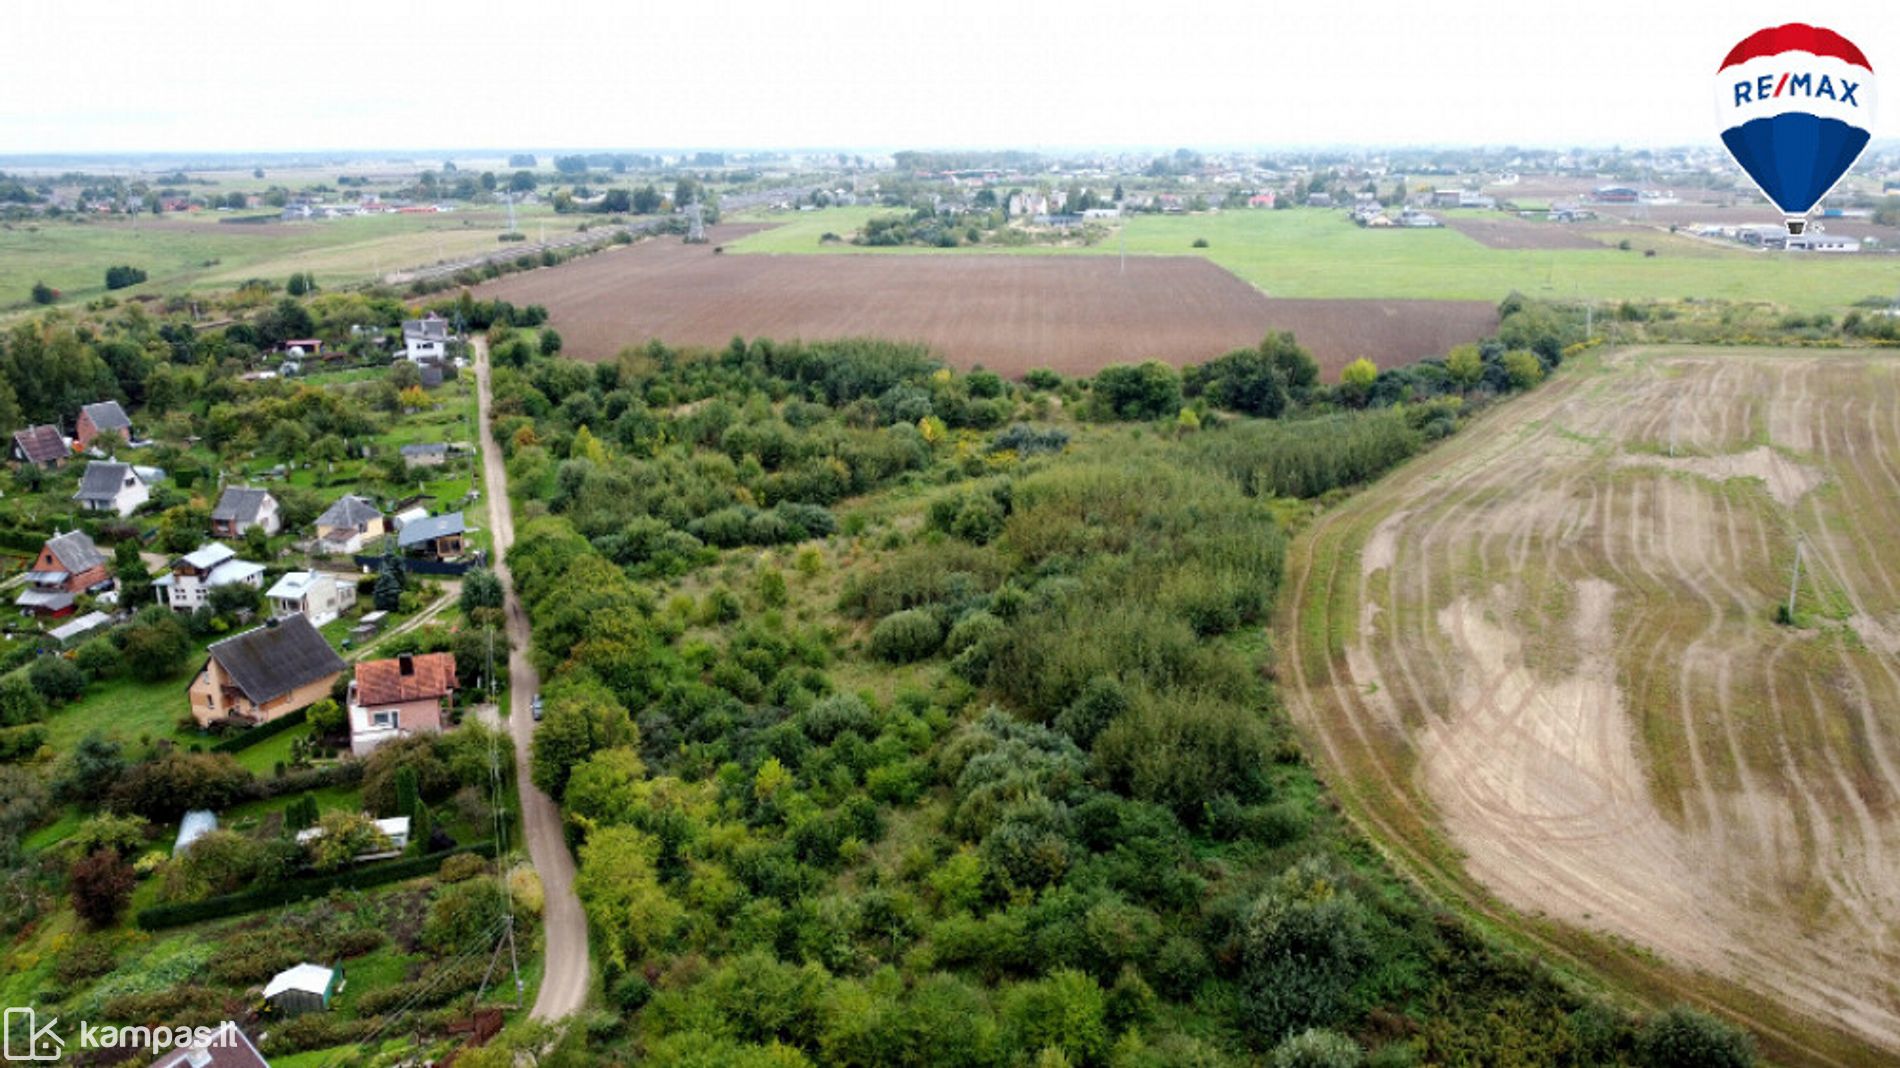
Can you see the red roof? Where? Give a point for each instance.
(405, 678)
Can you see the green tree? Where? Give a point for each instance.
(44, 294)
(1149, 391)
(1356, 380)
(1465, 365)
(1684, 1038)
(464, 914)
(621, 889)
(19, 701)
(578, 722)
(156, 645)
(1523, 368)
(421, 829)
(407, 791)
(387, 593)
(1063, 1012)
(346, 836)
(327, 719)
(135, 579)
(219, 862)
(1316, 1049)
(1302, 943)
(90, 769)
(481, 588)
(57, 679)
(124, 835)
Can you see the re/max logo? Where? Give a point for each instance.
(1767, 87)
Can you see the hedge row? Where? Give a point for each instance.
(237, 743)
(159, 917)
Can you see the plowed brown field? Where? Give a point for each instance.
(1541, 666)
(1010, 313)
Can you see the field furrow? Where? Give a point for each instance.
(1542, 666)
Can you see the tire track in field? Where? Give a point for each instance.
(1457, 525)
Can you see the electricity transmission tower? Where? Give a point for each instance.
(695, 224)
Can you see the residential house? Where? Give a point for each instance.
(438, 537)
(426, 339)
(347, 525)
(109, 486)
(68, 565)
(1262, 200)
(194, 575)
(317, 595)
(425, 455)
(264, 674)
(103, 417)
(399, 697)
(298, 348)
(43, 446)
(301, 989)
(226, 1048)
(242, 507)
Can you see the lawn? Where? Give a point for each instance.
(128, 709)
(1317, 253)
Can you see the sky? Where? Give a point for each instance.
(263, 76)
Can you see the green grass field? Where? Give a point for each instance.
(1313, 253)
(197, 252)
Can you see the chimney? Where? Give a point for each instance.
(407, 665)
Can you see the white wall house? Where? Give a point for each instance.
(193, 576)
(426, 339)
(315, 594)
(112, 487)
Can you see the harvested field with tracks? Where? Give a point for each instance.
(1009, 313)
(1541, 666)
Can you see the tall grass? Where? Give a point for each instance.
(1308, 457)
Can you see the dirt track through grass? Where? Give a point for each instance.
(1540, 664)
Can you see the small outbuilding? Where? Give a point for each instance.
(304, 988)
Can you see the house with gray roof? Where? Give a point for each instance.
(68, 565)
(242, 507)
(436, 537)
(426, 339)
(349, 524)
(110, 486)
(264, 674)
(103, 417)
(430, 454)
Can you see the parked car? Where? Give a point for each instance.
(537, 708)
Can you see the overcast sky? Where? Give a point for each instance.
(251, 75)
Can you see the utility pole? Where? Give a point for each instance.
(1794, 577)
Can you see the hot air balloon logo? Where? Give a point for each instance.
(1795, 105)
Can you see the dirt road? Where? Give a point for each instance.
(564, 979)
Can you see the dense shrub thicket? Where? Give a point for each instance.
(1072, 828)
